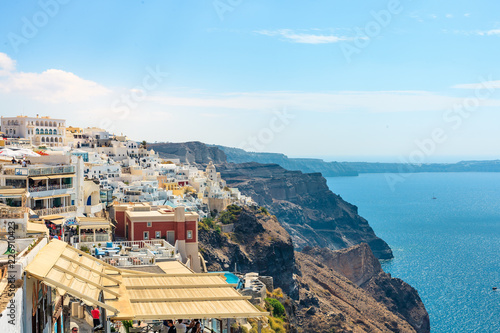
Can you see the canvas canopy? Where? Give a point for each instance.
(134, 295)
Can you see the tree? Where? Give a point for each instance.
(144, 144)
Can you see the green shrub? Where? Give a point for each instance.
(264, 210)
(278, 310)
(230, 215)
(127, 324)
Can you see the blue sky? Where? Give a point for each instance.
(345, 80)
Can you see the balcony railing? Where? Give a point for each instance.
(129, 261)
(99, 237)
(12, 213)
(16, 170)
(54, 211)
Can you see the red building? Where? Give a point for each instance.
(140, 221)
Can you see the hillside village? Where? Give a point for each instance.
(87, 217)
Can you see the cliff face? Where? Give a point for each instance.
(359, 265)
(324, 298)
(329, 302)
(306, 165)
(303, 203)
(258, 244)
(190, 152)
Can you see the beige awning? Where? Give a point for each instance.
(57, 221)
(61, 176)
(52, 217)
(42, 198)
(138, 295)
(12, 192)
(173, 267)
(39, 177)
(95, 226)
(34, 228)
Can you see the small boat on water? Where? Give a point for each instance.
(494, 288)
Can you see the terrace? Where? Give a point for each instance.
(131, 253)
(16, 170)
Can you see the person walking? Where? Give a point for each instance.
(180, 326)
(171, 326)
(96, 316)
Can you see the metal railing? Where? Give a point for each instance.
(99, 237)
(16, 170)
(12, 213)
(55, 210)
(129, 261)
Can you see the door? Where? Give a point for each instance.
(171, 237)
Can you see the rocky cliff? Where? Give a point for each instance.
(258, 244)
(359, 265)
(189, 152)
(306, 165)
(320, 281)
(303, 203)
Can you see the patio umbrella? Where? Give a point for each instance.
(28, 152)
(6, 152)
(17, 152)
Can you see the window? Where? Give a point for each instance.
(190, 234)
(158, 234)
(150, 224)
(146, 235)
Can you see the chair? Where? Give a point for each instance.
(135, 330)
(157, 327)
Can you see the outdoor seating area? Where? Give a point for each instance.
(136, 253)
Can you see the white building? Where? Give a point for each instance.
(41, 131)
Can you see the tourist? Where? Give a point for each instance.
(171, 326)
(194, 326)
(74, 330)
(180, 326)
(96, 315)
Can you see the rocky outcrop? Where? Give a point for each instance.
(303, 203)
(359, 265)
(329, 302)
(306, 165)
(190, 152)
(320, 281)
(258, 244)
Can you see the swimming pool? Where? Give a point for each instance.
(230, 277)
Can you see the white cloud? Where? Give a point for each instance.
(304, 38)
(467, 14)
(449, 15)
(492, 84)
(492, 32)
(344, 101)
(7, 65)
(52, 85)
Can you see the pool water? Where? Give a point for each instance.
(230, 277)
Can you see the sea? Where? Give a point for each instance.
(444, 230)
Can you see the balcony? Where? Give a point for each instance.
(16, 170)
(55, 211)
(93, 209)
(12, 213)
(33, 189)
(99, 237)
